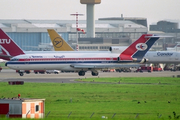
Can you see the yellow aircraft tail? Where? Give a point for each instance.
(58, 42)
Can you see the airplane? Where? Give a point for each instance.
(80, 61)
(7, 55)
(151, 56)
(157, 56)
(58, 42)
(175, 48)
(55, 38)
(163, 57)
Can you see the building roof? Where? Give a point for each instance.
(22, 23)
(21, 99)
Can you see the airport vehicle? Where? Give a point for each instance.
(144, 69)
(80, 61)
(157, 69)
(25, 71)
(52, 71)
(124, 69)
(108, 70)
(36, 72)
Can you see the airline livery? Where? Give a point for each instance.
(58, 43)
(163, 57)
(80, 61)
(55, 38)
(150, 56)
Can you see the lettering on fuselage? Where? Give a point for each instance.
(164, 54)
(5, 41)
(62, 56)
(37, 56)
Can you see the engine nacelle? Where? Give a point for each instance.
(144, 60)
(117, 49)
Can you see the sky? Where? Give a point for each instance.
(153, 10)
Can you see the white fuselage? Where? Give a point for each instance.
(163, 57)
(48, 60)
(160, 56)
(61, 60)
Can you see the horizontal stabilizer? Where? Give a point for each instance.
(157, 36)
(2, 55)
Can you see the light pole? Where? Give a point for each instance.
(77, 29)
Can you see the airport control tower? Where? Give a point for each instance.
(90, 30)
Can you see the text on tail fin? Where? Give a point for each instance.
(8, 45)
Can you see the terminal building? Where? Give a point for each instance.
(170, 28)
(32, 35)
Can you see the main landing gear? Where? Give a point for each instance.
(21, 73)
(81, 73)
(93, 73)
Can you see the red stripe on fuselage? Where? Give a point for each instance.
(65, 59)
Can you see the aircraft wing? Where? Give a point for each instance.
(96, 66)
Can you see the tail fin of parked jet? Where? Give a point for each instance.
(8, 46)
(139, 48)
(58, 42)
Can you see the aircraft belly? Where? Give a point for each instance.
(41, 67)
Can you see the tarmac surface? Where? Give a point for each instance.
(10, 75)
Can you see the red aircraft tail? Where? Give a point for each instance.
(139, 48)
(8, 46)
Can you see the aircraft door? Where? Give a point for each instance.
(26, 61)
(177, 57)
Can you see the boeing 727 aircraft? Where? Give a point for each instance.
(80, 61)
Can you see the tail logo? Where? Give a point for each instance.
(5, 41)
(141, 46)
(57, 42)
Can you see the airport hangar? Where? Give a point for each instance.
(116, 31)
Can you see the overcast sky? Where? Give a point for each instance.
(153, 10)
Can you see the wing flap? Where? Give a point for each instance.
(91, 66)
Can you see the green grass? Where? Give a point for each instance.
(82, 99)
(126, 80)
(3, 65)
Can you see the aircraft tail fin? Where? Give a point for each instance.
(58, 42)
(8, 46)
(139, 48)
